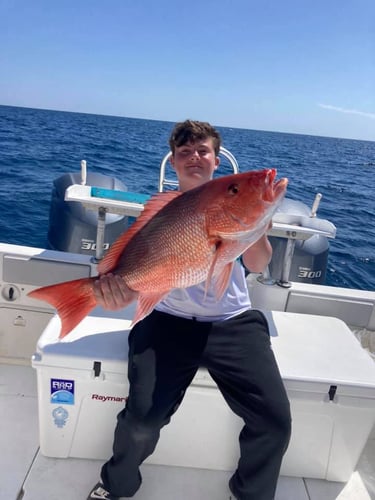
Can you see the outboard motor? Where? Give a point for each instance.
(72, 227)
(310, 257)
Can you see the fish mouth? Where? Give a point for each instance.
(279, 187)
(274, 189)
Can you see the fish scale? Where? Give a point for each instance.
(180, 258)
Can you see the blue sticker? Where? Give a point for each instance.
(60, 416)
(62, 391)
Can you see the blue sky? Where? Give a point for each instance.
(305, 66)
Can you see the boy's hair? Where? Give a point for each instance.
(192, 131)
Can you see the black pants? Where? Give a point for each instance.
(164, 354)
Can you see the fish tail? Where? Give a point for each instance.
(73, 300)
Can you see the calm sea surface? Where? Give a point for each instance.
(37, 146)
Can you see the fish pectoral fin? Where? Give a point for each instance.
(221, 280)
(146, 304)
(212, 268)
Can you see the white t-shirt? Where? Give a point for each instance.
(194, 302)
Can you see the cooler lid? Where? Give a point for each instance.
(103, 335)
(314, 352)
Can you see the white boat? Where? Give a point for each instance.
(324, 341)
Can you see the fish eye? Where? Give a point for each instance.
(233, 188)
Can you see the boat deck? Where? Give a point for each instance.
(28, 475)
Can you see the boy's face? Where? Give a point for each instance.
(195, 163)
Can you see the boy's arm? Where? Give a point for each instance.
(257, 257)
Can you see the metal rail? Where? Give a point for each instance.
(163, 181)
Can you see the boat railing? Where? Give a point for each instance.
(163, 181)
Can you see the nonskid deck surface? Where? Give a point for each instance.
(28, 475)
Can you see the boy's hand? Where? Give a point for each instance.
(112, 293)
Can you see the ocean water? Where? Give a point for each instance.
(37, 146)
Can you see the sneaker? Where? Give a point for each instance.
(100, 493)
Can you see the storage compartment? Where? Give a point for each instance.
(330, 380)
(18, 331)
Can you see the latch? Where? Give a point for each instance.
(10, 293)
(97, 368)
(332, 392)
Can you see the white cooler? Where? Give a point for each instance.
(330, 380)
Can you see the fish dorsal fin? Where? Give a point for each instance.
(152, 207)
(221, 280)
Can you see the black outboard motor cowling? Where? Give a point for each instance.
(72, 227)
(310, 257)
(309, 263)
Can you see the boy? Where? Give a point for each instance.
(184, 332)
